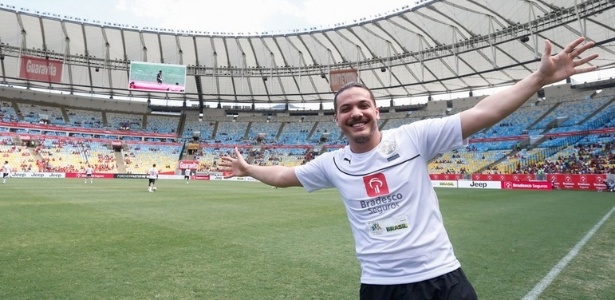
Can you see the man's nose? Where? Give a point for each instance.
(356, 112)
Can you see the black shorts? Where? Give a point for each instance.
(151, 181)
(453, 285)
(186, 176)
(5, 175)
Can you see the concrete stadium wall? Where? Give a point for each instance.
(73, 101)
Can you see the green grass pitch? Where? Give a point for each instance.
(64, 239)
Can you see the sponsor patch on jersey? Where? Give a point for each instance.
(388, 226)
(388, 147)
(376, 185)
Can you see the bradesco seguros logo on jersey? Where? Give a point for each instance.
(376, 185)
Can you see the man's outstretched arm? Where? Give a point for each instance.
(552, 69)
(280, 176)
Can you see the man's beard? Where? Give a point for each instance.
(363, 138)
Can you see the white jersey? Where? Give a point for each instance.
(390, 202)
(152, 173)
(6, 169)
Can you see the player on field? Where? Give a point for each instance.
(88, 173)
(382, 176)
(6, 171)
(152, 175)
(187, 173)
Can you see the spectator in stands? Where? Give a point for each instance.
(404, 250)
(540, 174)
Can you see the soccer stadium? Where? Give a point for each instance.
(87, 107)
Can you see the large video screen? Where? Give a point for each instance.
(155, 77)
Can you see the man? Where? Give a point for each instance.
(553, 183)
(6, 171)
(88, 173)
(152, 175)
(159, 77)
(187, 173)
(382, 176)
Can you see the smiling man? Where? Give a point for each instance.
(357, 116)
(382, 177)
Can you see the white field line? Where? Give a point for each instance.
(546, 281)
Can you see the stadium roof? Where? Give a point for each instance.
(428, 48)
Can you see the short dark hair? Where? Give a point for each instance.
(348, 86)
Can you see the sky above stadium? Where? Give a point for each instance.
(216, 15)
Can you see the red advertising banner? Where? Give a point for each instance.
(592, 182)
(40, 69)
(337, 78)
(446, 176)
(95, 175)
(503, 177)
(526, 185)
(189, 164)
(201, 177)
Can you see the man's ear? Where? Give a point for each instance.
(335, 120)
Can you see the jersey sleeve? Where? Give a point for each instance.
(437, 135)
(314, 175)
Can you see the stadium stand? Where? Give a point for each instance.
(85, 118)
(296, 133)
(124, 121)
(527, 141)
(67, 124)
(139, 157)
(7, 112)
(39, 114)
(161, 124)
